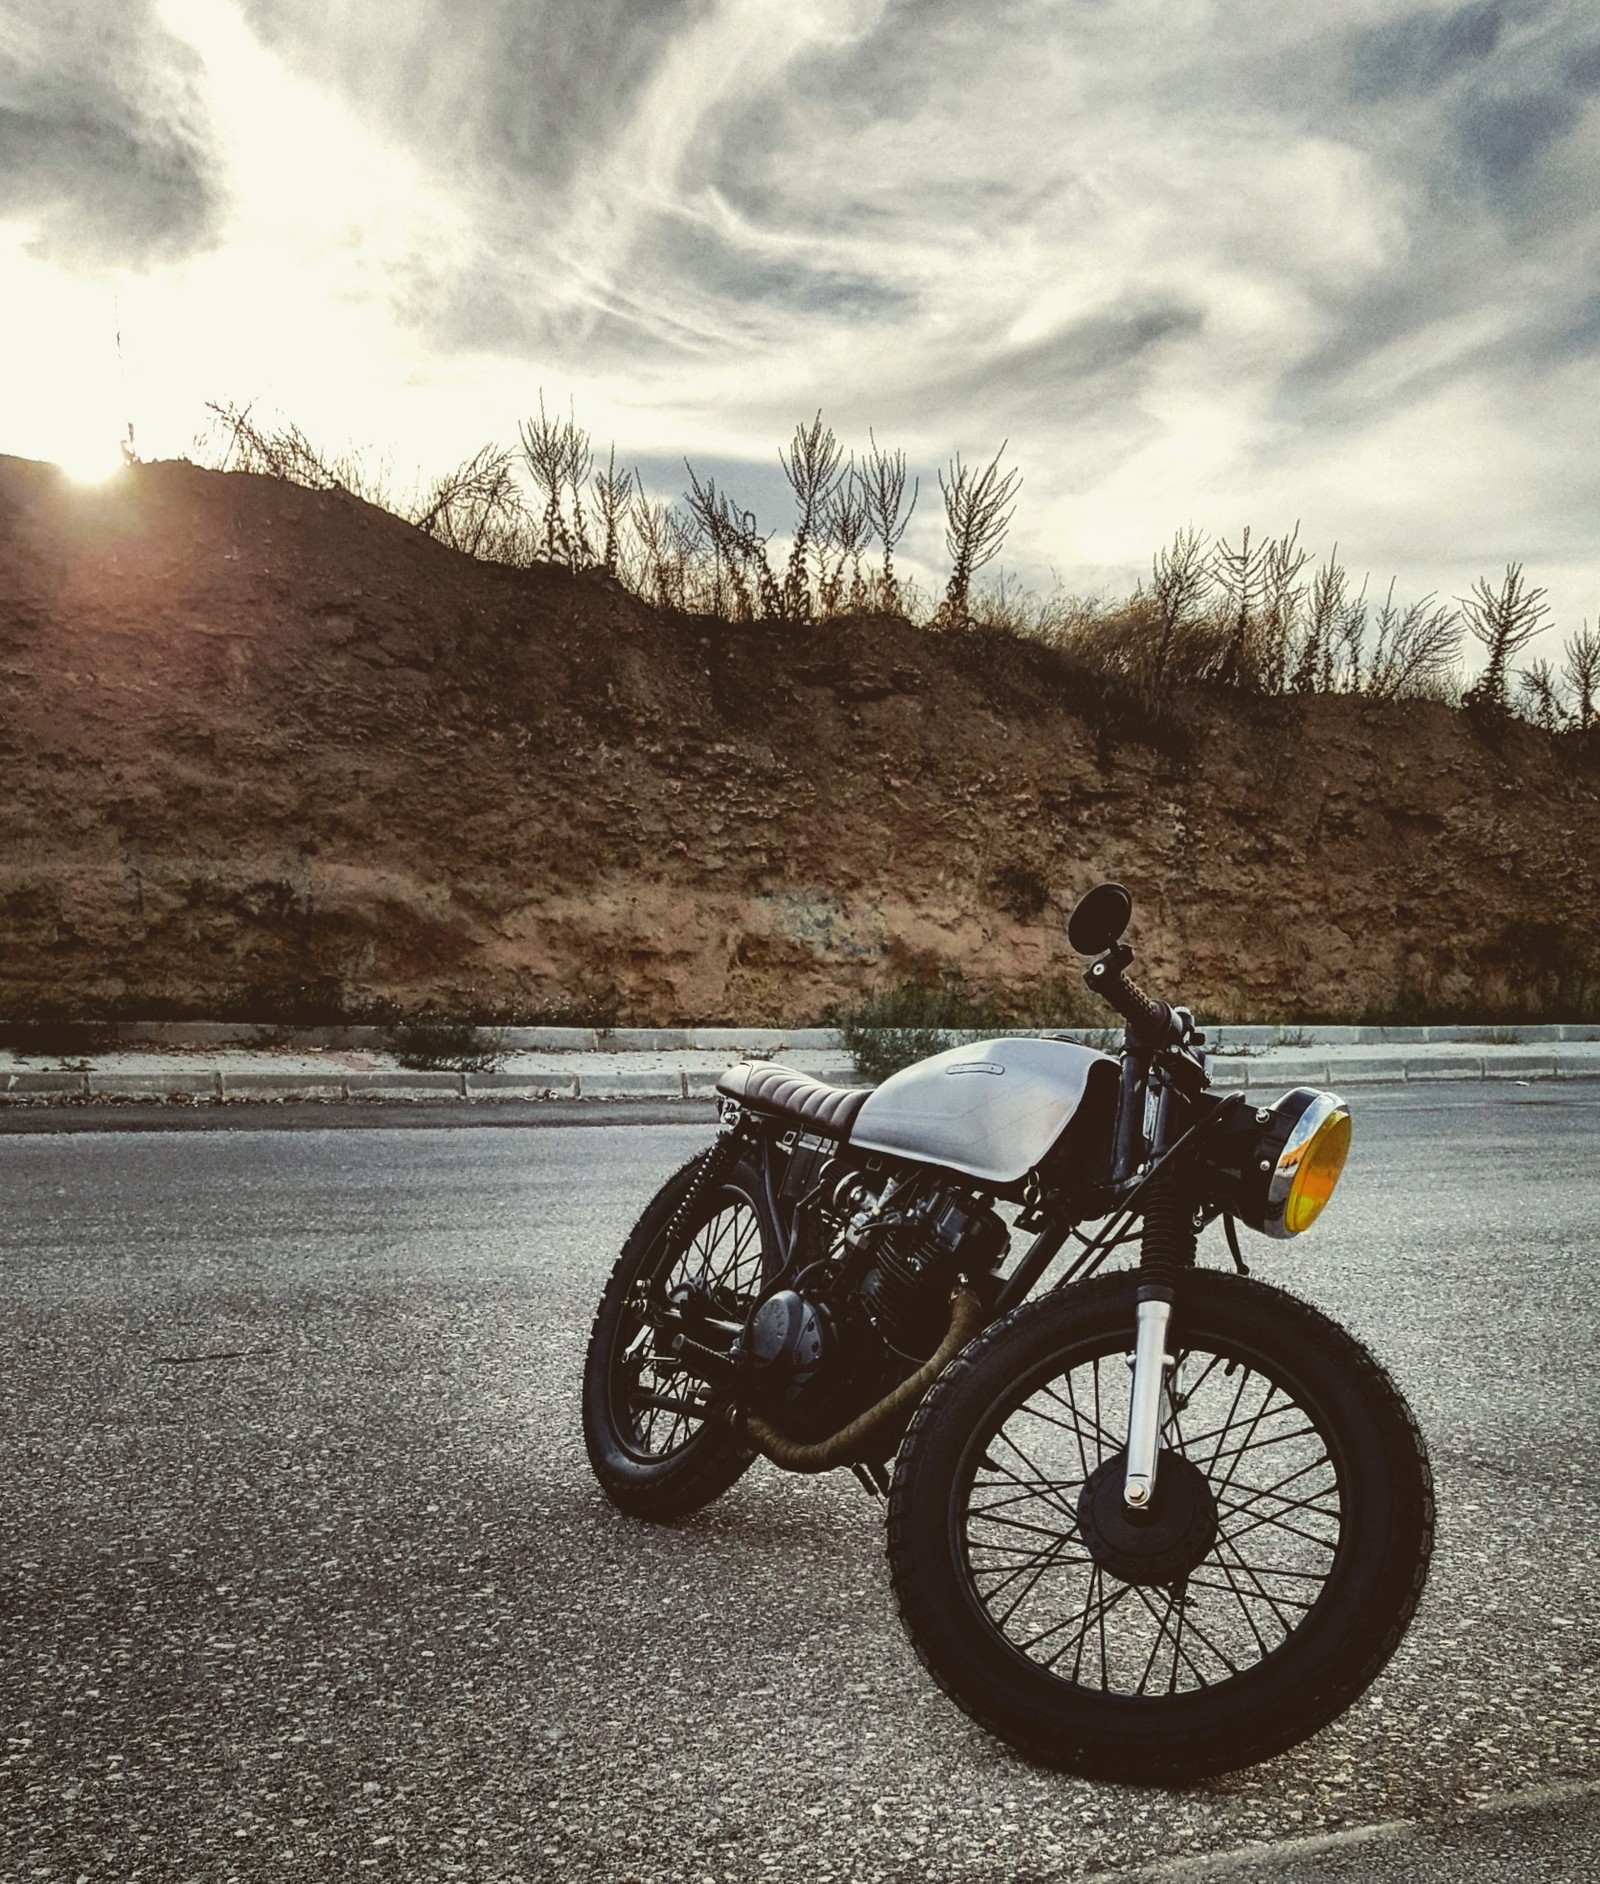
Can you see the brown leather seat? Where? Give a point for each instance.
(827, 1110)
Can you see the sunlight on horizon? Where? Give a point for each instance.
(86, 462)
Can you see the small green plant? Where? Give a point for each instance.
(430, 1044)
(1497, 1037)
(1291, 1037)
(898, 1026)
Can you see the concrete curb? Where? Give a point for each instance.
(693, 1073)
(1226, 1037)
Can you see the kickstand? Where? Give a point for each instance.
(1230, 1231)
(874, 1479)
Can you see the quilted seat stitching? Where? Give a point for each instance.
(797, 1096)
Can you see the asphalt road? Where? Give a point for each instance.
(304, 1574)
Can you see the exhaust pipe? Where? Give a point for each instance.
(856, 1441)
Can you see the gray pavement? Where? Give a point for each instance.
(305, 1576)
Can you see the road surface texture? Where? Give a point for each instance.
(305, 1576)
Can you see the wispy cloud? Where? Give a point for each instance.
(1198, 263)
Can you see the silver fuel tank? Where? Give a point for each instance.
(991, 1110)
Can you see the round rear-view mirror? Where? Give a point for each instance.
(1099, 919)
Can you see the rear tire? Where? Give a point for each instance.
(1253, 1606)
(654, 1462)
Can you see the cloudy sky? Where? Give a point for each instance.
(1200, 263)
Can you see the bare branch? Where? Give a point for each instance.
(1505, 620)
(1541, 693)
(1415, 651)
(613, 494)
(976, 521)
(1581, 670)
(811, 464)
(883, 489)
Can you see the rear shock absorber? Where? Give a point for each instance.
(719, 1156)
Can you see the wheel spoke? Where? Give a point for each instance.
(1085, 1428)
(1244, 1608)
(1021, 1524)
(1226, 1660)
(1260, 1587)
(1024, 1495)
(1275, 1491)
(1047, 1561)
(1288, 1602)
(1281, 1524)
(1044, 1487)
(1161, 1635)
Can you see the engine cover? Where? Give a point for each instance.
(786, 1340)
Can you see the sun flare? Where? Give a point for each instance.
(90, 460)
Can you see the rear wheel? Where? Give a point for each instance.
(654, 1436)
(1283, 1556)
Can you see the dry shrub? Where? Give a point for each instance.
(1250, 614)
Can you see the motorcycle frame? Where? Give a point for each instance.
(1164, 1109)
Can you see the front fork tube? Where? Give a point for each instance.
(1168, 1249)
(1150, 1363)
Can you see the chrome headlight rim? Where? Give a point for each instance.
(1323, 1107)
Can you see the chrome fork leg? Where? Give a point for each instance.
(1150, 1362)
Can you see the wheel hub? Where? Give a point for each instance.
(1158, 1545)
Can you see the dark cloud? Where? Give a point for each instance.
(1423, 50)
(103, 138)
(1489, 89)
(752, 279)
(1467, 117)
(1086, 367)
(1504, 135)
(1576, 336)
(1583, 69)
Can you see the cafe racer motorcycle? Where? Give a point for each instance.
(1151, 1523)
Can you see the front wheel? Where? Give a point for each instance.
(1283, 1555)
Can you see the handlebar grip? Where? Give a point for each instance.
(1150, 1020)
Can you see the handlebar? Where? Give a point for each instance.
(1150, 1021)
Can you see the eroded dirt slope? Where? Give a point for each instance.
(271, 753)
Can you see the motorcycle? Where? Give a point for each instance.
(1151, 1524)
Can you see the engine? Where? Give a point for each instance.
(875, 1304)
(919, 1245)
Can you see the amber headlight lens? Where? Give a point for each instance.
(1316, 1171)
(1276, 1167)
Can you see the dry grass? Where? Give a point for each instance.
(1252, 614)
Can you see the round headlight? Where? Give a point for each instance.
(1310, 1164)
(1292, 1163)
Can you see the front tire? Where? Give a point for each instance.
(654, 1460)
(1284, 1555)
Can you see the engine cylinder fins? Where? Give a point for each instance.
(908, 1286)
(901, 1304)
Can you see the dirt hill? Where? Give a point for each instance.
(272, 753)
